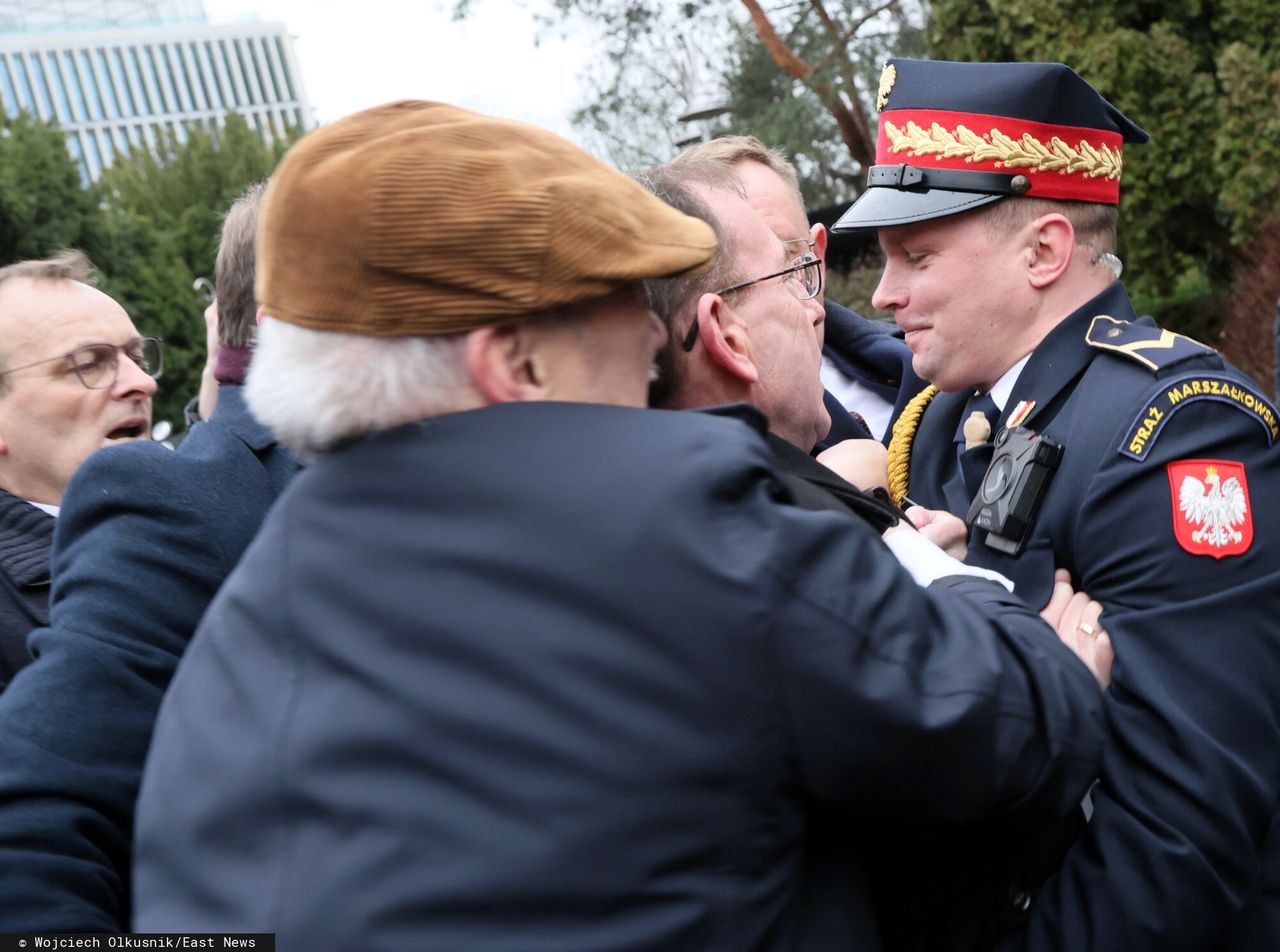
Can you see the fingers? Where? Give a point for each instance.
(1087, 638)
(1083, 613)
(919, 516)
(1061, 595)
(1077, 620)
(1104, 656)
(1074, 612)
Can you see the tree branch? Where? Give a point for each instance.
(849, 118)
(787, 59)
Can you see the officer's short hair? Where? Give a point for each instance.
(1094, 223)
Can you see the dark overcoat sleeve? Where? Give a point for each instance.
(145, 537)
(977, 710)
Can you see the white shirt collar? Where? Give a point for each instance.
(51, 510)
(1003, 388)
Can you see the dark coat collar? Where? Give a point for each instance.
(1059, 359)
(26, 534)
(233, 413)
(1064, 353)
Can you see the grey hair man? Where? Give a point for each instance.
(64, 392)
(145, 537)
(517, 660)
(864, 367)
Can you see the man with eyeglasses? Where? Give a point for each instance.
(146, 536)
(751, 331)
(864, 368)
(757, 338)
(65, 391)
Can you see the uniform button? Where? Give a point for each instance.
(1114, 332)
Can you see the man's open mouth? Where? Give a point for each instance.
(130, 431)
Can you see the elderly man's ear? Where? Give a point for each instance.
(818, 233)
(513, 362)
(725, 339)
(507, 363)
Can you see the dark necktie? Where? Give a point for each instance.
(974, 464)
(980, 403)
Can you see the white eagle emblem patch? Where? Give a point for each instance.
(1212, 515)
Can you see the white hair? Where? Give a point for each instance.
(314, 388)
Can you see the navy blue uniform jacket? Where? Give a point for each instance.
(1177, 845)
(865, 351)
(548, 676)
(144, 539)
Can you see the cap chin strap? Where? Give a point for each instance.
(913, 178)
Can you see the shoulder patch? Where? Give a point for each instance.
(1177, 392)
(1211, 510)
(1153, 347)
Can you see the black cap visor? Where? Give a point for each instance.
(902, 194)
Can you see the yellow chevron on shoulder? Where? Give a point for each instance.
(1153, 347)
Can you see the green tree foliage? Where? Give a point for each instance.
(161, 214)
(1204, 80)
(150, 224)
(782, 110)
(826, 57)
(43, 205)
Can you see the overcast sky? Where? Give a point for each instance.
(359, 53)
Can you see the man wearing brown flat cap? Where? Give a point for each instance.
(519, 664)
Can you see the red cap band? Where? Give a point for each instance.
(1068, 162)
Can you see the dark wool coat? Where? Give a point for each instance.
(145, 537)
(572, 677)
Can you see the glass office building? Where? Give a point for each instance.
(116, 74)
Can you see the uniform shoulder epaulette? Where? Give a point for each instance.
(1153, 347)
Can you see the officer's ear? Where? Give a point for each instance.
(725, 338)
(1051, 245)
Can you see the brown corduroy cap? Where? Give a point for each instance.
(423, 218)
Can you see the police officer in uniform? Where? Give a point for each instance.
(1073, 433)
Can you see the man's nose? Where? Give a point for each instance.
(818, 314)
(889, 294)
(132, 380)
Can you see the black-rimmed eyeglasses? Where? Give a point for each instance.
(97, 366)
(803, 279)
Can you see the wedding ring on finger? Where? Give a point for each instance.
(1087, 628)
